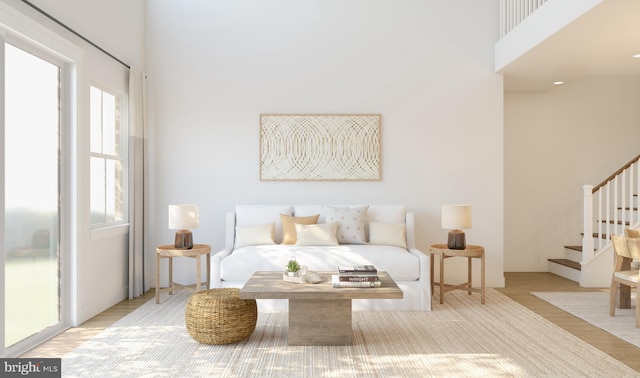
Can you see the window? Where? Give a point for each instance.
(33, 131)
(108, 178)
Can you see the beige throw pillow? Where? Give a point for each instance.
(388, 234)
(288, 228)
(254, 235)
(316, 234)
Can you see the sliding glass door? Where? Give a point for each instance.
(32, 145)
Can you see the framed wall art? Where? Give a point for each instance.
(323, 147)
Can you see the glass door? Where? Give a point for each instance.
(32, 192)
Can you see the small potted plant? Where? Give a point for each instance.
(292, 268)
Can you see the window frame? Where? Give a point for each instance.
(122, 100)
(27, 40)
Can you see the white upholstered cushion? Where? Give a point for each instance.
(387, 213)
(375, 213)
(242, 263)
(307, 210)
(629, 275)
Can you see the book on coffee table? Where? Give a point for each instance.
(336, 282)
(358, 278)
(357, 269)
(357, 273)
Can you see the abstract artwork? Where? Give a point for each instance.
(323, 147)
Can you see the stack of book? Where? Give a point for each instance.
(356, 276)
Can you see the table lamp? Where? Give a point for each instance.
(183, 218)
(456, 218)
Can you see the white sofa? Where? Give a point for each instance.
(245, 253)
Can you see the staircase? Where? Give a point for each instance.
(609, 208)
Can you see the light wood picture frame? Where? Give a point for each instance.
(320, 147)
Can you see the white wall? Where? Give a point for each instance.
(117, 26)
(426, 66)
(556, 142)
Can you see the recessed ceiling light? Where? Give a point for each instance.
(558, 82)
(637, 56)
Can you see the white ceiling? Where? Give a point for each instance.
(601, 42)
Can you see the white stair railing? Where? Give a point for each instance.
(610, 207)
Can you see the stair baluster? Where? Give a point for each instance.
(608, 208)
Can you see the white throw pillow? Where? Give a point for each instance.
(316, 234)
(351, 223)
(394, 234)
(255, 235)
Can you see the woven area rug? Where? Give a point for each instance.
(594, 308)
(461, 338)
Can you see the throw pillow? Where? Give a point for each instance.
(351, 223)
(288, 228)
(388, 234)
(254, 235)
(316, 234)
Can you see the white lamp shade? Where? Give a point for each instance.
(456, 217)
(183, 217)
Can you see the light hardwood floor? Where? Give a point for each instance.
(518, 287)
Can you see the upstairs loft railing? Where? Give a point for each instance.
(609, 207)
(513, 12)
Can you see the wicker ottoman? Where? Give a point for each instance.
(218, 316)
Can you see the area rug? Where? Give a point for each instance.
(461, 338)
(593, 307)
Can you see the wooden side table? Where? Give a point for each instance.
(169, 252)
(470, 252)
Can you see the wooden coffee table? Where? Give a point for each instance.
(318, 313)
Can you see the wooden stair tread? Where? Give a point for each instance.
(568, 263)
(574, 247)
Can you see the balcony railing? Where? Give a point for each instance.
(513, 12)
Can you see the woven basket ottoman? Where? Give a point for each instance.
(218, 316)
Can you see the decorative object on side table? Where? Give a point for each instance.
(456, 218)
(183, 218)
